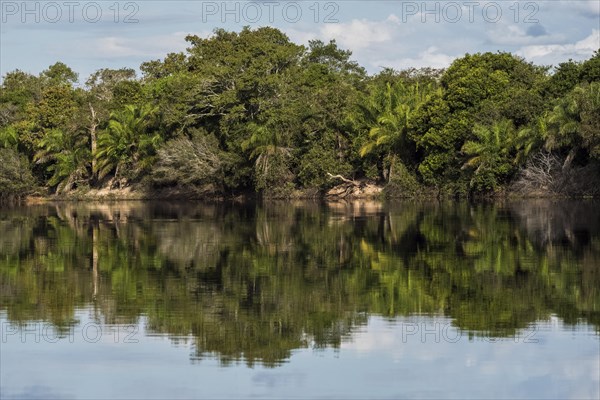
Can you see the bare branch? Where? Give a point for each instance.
(340, 177)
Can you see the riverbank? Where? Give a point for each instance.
(361, 190)
(365, 191)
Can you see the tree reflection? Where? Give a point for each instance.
(255, 282)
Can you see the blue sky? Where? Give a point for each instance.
(88, 35)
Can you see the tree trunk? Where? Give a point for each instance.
(95, 260)
(116, 178)
(391, 169)
(93, 126)
(569, 160)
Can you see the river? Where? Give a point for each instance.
(301, 300)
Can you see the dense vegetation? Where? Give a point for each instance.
(257, 282)
(253, 112)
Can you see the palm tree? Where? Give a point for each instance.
(590, 118)
(268, 148)
(69, 157)
(566, 118)
(8, 137)
(575, 120)
(531, 138)
(489, 154)
(388, 112)
(127, 141)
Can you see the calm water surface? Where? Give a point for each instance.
(302, 300)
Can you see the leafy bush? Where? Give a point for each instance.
(315, 165)
(402, 183)
(16, 179)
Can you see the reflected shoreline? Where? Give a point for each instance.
(259, 280)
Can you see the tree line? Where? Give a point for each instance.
(251, 111)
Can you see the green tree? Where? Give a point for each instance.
(331, 83)
(17, 91)
(102, 86)
(589, 97)
(9, 137)
(590, 69)
(269, 148)
(531, 138)
(68, 157)
(322, 158)
(16, 179)
(565, 77)
(172, 64)
(566, 118)
(480, 88)
(129, 142)
(576, 123)
(390, 111)
(59, 74)
(489, 155)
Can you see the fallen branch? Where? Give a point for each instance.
(331, 176)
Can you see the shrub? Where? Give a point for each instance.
(191, 163)
(16, 179)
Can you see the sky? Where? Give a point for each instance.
(89, 35)
(387, 358)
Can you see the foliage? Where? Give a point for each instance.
(128, 144)
(59, 74)
(68, 157)
(576, 120)
(189, 162)
(403, 183)
(531, 138)
(9, 137)
(589, 98)
(321, 160)
(387, 114)
(15, 176)
(480, 89)
(281, 117)
(268, 147)
(563, 80)
(489, 155)
(590, 69)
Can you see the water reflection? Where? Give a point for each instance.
(256, 282)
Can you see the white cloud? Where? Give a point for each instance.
(359, 34)
(124, 47)
(554, 53)
(555, 367)
(431, 57)
(301, 36)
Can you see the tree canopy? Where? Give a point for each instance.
(282, 118)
